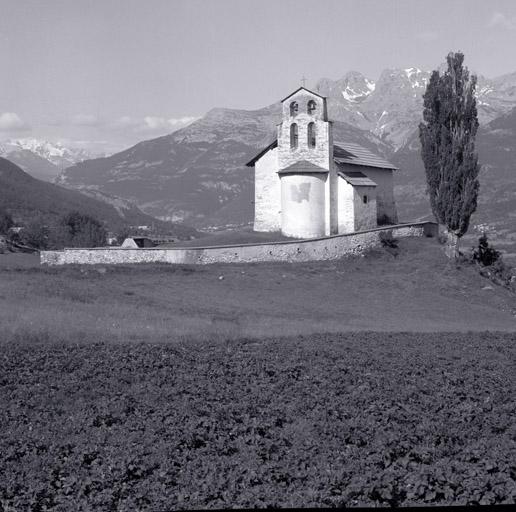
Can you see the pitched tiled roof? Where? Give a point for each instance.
(261, 153)
(302, 166)
(343, 153)
(358, 179)
(351, 153)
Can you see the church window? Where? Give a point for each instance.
(311, 135)
(365, 199)
(311, 107)
(293, 135)
(293, 108)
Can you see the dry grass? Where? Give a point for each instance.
(412, 289)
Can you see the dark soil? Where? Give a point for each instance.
(325, 420)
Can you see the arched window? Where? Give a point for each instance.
(293, 108)
(293, 135)
(311, 135)
(311, 107)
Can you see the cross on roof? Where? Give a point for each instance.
(303, 80)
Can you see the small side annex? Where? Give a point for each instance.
(307, 185)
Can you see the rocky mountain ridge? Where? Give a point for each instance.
(391, 107)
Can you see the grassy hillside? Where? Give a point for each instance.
(417, 289)
(27, 198)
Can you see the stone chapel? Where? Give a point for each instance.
(307, 185)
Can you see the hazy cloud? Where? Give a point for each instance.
(11, 122)
(500, 20)
(125, 122)
(81, 143)
(85, 120)
(427, 36)
(152, 124)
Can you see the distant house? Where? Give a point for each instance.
(111, 239)
(162, 239)
(308, 185)
(138, 242)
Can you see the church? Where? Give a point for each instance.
(308, 185)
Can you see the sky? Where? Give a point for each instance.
(104, 74)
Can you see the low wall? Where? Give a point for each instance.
(327, 248)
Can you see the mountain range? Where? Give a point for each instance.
(43, 159)
(391, 107)
(197, 175)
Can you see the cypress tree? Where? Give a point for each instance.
(447, 136)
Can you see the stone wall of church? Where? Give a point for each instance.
(385, 204)
(320, 155)
(346, 210)
(326, 248)
(332, 205)
(365, 213)
(267, 193)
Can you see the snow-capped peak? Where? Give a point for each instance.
(351, 95)
(370, 85)
(411, 71)
(54, 152)
(41, 147)
(357, 87)
(416, 77)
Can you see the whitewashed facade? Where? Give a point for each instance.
(307, 185)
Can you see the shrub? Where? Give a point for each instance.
(35, 235)
(387, 240)
(484, 253)
(79, 230)
(493, 266)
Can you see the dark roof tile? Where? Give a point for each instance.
(301, 167)
(343, 153)
(351, 153)
(261, 153)
(357, 179)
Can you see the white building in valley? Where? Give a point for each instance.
(307, 185)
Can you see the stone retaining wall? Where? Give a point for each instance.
(327, 248)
